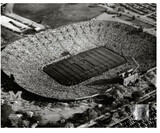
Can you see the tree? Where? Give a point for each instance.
(35, 119)
(136, 95)
(128, 109)
(133, 17)
(6, 111)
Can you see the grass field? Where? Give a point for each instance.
(8, 36)
(56, 15)
(84, 66)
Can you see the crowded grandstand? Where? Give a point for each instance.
(26, 58)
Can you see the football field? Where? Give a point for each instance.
(83, 66)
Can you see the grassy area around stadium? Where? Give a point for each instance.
(56, 15)
(8, 36)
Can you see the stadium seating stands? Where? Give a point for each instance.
(25, 58)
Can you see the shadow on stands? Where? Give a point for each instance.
(7, 82)
(114, 80)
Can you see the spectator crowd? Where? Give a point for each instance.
(25, 58)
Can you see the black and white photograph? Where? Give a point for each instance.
(79, 65)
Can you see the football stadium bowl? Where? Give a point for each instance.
(58, 63)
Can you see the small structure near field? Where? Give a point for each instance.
(131, 79)
(131, 76)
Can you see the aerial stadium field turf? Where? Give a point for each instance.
(83, 66)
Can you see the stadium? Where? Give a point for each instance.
(58, 63)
